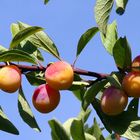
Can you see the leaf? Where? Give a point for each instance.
(89, 137)
(35, 78)
(122, 53)
(83, 115)
(46, 1)
(128, 120)
(17, 55)
(42, 40)
(114, 82)
(58, 131)
(14, 29)
(77, 130)
(92, 92)
(85, 38)
(25, 111)
(110, 38)
(31, 49)
(120, 6)
(102, 12)
(97, 132)
(20, 36)
(6, 125)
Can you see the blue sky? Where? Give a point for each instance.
(64, 21)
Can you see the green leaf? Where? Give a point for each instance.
(122, 53)
(85, 38)
(102, 12)
(6, 125)
(114, 81)
(42, 40)
(35, 78)
(77, 130)
(120, 6)
(17, 55)
(31, 49)
(25, 111)
(58, 131)
(20, 36)
(83, 115)
(97, 132)
(129, 120)
(92, 92)
(110, 38)
(14, 29)
(46, 1)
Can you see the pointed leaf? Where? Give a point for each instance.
(35, 78)
(58, 131)
(92, 92)
(77, 130)
(6, 125)
(85, 38)
(113, 81)
(2, 49)
(20, 36)
(97, 131)
(110, 38)
(14, 29)
(25, 111)
(120, 6)
(122, 53)
(102, 12)
(17, 55)
(42, 40)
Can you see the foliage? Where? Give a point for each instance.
(27, 45)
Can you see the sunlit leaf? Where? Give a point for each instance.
(6, 125)
(17, 55)
(110, 38)
(85, 38)
(77, 130)
(2, 49)
(20, 36)
(120, 6)
(25, 111)
(122, 53)
(41, 40)
(57, 130)
(14, 29)
(102, 11)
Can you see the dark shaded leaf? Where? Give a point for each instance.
(120, 6)
(85, 38)
(102, 12)
(92, 92)
(110, 38)
(35, 78)
(21, 35)
(17, 55)
(122, 53)
(46, 1)
(25, 111)
(57, 130)
(6, 125)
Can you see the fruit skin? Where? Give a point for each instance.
(131, 84)
(59, 75)
(136, 63)
(45, 99)
(113, 101)
(10, 78)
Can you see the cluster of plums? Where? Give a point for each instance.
(59, 76)
(114, 100)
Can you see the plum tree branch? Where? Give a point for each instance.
(26, 68)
